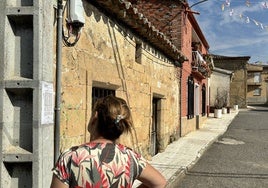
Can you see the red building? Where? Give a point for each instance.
(195, 74)
(177, 22)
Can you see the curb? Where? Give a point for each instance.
(180, 174)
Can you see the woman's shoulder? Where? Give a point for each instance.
(78, 149)
(126, 149)
(82, 152)
(123, 148)
(92, 147)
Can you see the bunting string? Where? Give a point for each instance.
(227, 6)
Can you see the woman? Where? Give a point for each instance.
(102, 162)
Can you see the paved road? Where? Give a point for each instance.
(239, 159)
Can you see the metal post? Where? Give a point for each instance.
(58, 81)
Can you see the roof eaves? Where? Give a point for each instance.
(224, 71)
(140, 24)
(230, 57)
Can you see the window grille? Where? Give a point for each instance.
(190, 97)
(203, 100)
(100, 92)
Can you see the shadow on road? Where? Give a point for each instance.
(227, 175)
(259, 107)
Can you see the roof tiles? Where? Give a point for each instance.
(131, 16)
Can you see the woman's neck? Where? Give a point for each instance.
(101, 140)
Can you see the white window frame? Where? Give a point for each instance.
(257, 77)
(257, 92)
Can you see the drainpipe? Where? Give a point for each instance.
(180, 100)
(58, 81)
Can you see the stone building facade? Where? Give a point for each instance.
(238, 87)
(257, 84)
(113, 54)
(220, 82)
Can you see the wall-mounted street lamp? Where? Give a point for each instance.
(198, 3)
(194, 12)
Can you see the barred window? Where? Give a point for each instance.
(190, 97)
(100, 92)
(257, 92)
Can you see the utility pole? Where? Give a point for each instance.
(26, 93)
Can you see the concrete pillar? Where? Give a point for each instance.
(26, 93)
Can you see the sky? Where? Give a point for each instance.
(234, 27)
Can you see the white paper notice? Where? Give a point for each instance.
(47, 115)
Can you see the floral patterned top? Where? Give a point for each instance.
(99, 165)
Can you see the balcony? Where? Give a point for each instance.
(200, 67)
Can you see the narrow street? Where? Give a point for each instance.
(238, 158)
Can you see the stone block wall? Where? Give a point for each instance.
(105, 57)
(220, 84)
(252, 97)
(238, 85)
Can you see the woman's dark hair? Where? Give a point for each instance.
(113, 117)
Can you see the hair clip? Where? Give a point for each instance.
(118, 118)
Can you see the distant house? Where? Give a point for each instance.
(220, 81)
(257, 84)
(238, 87)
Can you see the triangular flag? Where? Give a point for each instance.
(264, 5)
(228, 3)
(231, 12)
(247, 20)
(247, 3)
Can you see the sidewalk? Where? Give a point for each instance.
(183, 153)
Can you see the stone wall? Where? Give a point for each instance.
(252, 97)
(220, 84)
(105, 57)
(238, 85)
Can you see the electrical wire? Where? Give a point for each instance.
(73, 31)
